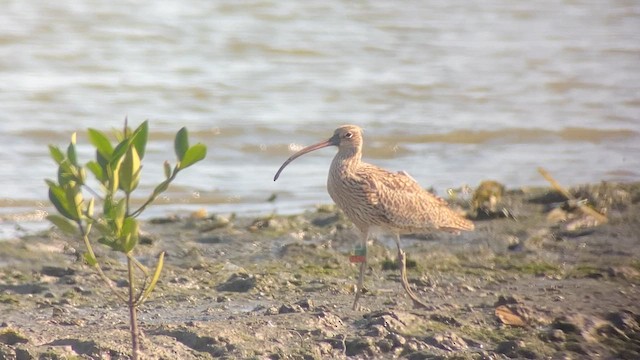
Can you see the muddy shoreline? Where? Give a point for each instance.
(548, 284)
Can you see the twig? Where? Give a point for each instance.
(587, 210)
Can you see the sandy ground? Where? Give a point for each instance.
(548, 284)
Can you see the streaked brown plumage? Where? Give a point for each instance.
(374, 197)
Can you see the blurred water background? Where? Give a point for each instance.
(452, 92)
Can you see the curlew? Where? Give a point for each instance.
(372, 197)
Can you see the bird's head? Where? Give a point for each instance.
(346, 138)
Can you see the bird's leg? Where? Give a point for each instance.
(363, 265)
(402, 264)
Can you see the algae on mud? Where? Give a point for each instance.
(289, 286)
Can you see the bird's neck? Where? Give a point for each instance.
(347, 159)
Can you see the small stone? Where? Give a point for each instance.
(361, 346)
(509, 347)
(306, 304)
(508, 299)
(272, 310)
(448, 341)
(199, 214)
(330, 320)
(56, 271)
(377, 331)
(448, 320)
(385, 345)
(398, 340)
(556, 335)
(290, 308)
(238, 282)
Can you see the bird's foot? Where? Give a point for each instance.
(402, 263)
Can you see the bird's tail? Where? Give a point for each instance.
(457, 223)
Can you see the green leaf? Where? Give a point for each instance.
(65, 174)
(194, 154)
(82, 175)
(129, 236)
(154, 279)
(167, 169)
(103, 228)
(114, 177)
(101, 142)
(56, 154)
(74, 200)
(119, 212)
(102, 161)
(140, 137)
(110, 242)
(90, 207)
(71, 150)
(90, 259)
(119, 151)
(130, 171)
(63, 224)
(58, 198)
(181, 143)
(97, 171)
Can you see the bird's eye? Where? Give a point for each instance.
(348, 135)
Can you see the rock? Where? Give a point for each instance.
(214, 239)
(385, 345)
(556, 335)
(625, 320)
(7, 352)
(272, 310)
(513, 314)
(361, 346)
(11, 337)
(165, 220)
(238, 282)
(508, 299)
(306, 304)
(393, 321)
(397, 339)
(290, 308)
(448, 320)
(624, 272)
(214, 222)
(56, 271)
(557, 215)
(326, 220)
(298, 307)
(377, 331)
(199, 214)
(330, 320)
(272, 223)
(221, 299)
(586, 326)
(448, 341)
(510, 348)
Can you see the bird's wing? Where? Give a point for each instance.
(406, 206)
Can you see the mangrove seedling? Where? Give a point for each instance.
(118, 170)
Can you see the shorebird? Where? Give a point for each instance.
(372, 198)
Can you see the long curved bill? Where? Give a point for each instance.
(303, 151)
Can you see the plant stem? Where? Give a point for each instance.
(103, 276)
(154, 195)
(132, 312)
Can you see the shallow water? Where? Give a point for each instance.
(453, 93)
